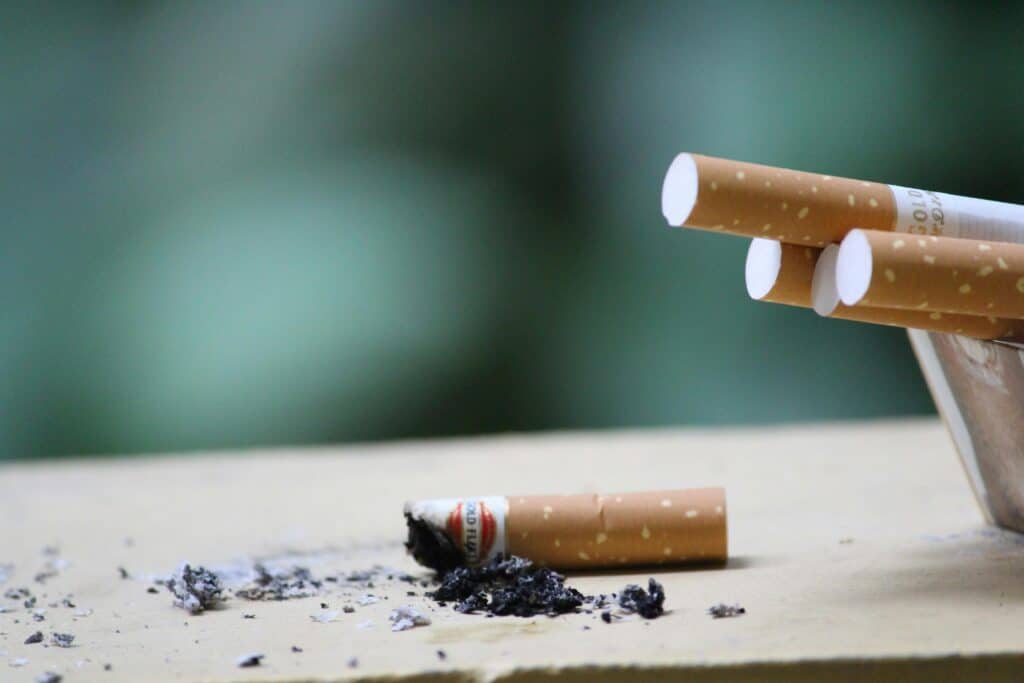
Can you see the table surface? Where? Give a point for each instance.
(853, 547)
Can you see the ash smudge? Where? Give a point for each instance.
(649, 604)
(295, 583)
(62, 639)
(723, 611)
(195, 589)
(48, 677)
(252, 659)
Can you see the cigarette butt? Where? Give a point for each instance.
(805, 277)
(813, 209)
(938, 274)
(572, 531)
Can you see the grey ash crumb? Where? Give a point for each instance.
(296, 648)
(442, 655)
(62, 639)
(248, 616)
(153, 589)
(36, 637)
(48, 677)
(108, 667)
(251, 659)
(195, 589)
(296, 583)
(353, 663)
(723, 611)
(649, 604)
(67, 602)
(606, 617)
(348, 609)
(123, 573)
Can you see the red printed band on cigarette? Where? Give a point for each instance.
(938, 274)
(572, 531)
(805, 277)
(813, 209)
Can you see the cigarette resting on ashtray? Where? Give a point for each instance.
(585, 531)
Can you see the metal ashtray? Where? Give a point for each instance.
(978, 387)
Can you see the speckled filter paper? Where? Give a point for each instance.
(793, 288)
(945, 274)
(804, 208)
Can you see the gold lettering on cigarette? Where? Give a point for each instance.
(923, 304)
(1002, 263)
(966, 288)
(808, 254)
(990, 304)
(645, 533)
(935, 316)
(984, 270)
(524, 534)
(784, 206)
(714, 186)
(802, 213)
(898, 244)
(691, 514)
(583, 556)
(667, 551)
(767, 183)
(718, 509)
(889, 275)
(807, 238)
(735, 221)
(984, 247)
(929, 259)
(826, 177)
(1020, 284)
(814, 188)
(601, 537)
(851, 200)
(740, 175)
(547, 511)
(718, 227)
(558, 543)
(873, 202)
(992, 319)
(666, 503)
(767, 227)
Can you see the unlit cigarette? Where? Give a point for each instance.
(938, 274)
(805, 277)
(813, 209)
(572, 531)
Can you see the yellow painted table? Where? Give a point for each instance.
(857, 549)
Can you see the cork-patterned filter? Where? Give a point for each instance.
(653, 527)
(938, 274)
(799, 273)
(762, 201)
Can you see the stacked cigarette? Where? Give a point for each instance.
(860, 250)
(571, 531)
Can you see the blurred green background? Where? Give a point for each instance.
(238, 224)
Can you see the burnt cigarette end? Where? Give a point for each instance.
(431, 546)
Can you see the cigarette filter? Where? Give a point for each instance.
(938, 274)
(813, 209)
(805, 277)
(572, 531)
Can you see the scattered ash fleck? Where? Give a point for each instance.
(36, 637)
(108, 667)
(296, 648)
(251, 659)
(361, 576)
(17, 593)
(30, 603)
(48, 677)
(325, 617)
(39, 615)
(353, 663)
(295, 583)
(846, 541)
(649, 604)
(67, 602)
(195, 589)
(411, 594)
(606, 617)
(442, 655)
(248, 616)
(123, 573)
(724, 611)
(62, 639)
(18, 662)
(129, 542)
(42, 576)
(367, 599)
(506, 587)
(586, 628)
(324, 605)
(348, 609)
(153, 589)
(407, 617)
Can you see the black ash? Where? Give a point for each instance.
(724, 611)
(252, 659)
(62, 639)
(195, 589)
(48, 677)
(649, 604)
(432, 547)
(36, 637)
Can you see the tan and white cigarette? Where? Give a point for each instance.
(805, 277)
(938, 274)
(813, 209)
(587, 531)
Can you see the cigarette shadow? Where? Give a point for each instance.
(738, 562)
